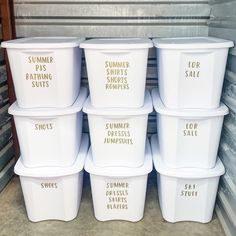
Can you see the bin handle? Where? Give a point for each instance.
(115, 51)
(43, 118)
(38, 51)
(196, 118)
(115, 117)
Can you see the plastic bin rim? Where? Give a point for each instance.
(193, 113)
(192, 43)
(43, 43)
(50, 172)
(121, 172)
(188, 173)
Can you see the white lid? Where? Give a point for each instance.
(188, 173)
(160, 108)
(117, 43)
(15, 110)
(120, 171)
(146, 109)
(47, 172)
(192, 43)
(43, 42)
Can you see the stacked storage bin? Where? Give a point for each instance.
(48, 118)
(119, 159)
(189, 122)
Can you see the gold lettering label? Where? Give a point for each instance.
(118, 133)
(48, 185)
(190, 129)
(116, 195)
(43, 127)
(39, 77)
(116, 75)
(193, 70)
(189, 190)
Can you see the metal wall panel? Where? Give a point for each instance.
(96, 18)
(6, 144)
(223, 25)
(7, 151)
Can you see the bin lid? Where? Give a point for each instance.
(160, 108)
(192, 43)
(120, 171)
(45, 172)
(117, 43)
(15, 110)
(188, 173)
(43, 42)
(145, 109)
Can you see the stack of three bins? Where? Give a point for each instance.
(119, 159)
(189, 123)
(48, 117)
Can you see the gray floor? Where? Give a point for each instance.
(13, 219)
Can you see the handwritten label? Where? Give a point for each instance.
(190, 129)
(39, 75)
(116, 75)
(190, 190)
(118, 133)
(116, 195)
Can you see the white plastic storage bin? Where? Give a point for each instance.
(186, 194)
(118, 135)
(188, 137)
(191, 71)
(46, 70)
(53, 193)
(49, 137)
(119, 192)
(117, 71)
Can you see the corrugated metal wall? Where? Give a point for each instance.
(223, 24)
(149, 18)
(6, 143)
(95, 18)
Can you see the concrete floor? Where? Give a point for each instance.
(13, 219)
